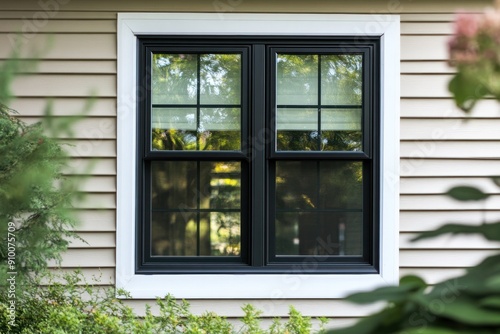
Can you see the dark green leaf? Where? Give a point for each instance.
(393, 294)
(493, 283)
(374, 324)
(490, 231)
(432, 330)
(496, 179)
(466, 193)
(463, 309)
(491, 302)
(413, 280)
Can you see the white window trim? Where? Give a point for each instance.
(253, 286)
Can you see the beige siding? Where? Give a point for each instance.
(439, 147)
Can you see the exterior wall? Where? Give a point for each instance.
(438, 147)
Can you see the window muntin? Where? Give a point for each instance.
(284, 235)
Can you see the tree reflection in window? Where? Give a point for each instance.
(319, 102)
(196, 106)
(191, 222)
(196, 102)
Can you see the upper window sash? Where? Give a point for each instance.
(321, 110)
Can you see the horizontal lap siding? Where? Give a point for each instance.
(77, 61)
(436, 152)
(441, 147)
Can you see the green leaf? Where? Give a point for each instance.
(467, 193)
(493, 283)
(490, 231)
(491, 302)
(466, 90)
(462, 309)
(496, 179)
(430, 330)
(393, 294)
(374, 324)
(413, 280)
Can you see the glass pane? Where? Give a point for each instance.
(220, 185)
(297, 79)
(341, 185)
(220, 129)
(319, 185)
(341, 130)
(225, 236)
(173, 233)
(297, 185)
(341, 79)
(220, 79)
(196, 208)
(173, 184)
(174, 78)
(297, 129)
(178, 129)
(173, 129)
(316, 234)
(297, 119)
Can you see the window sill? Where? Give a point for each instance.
(218, 286)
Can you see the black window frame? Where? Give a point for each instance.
(258, 155)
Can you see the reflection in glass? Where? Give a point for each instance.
(297, 185)
(174, 129)
(181, 129)
(188, 114)
(341, 130)
(220, 79)
(195, 208)
(297, 129)
(341, 79)
(220, 185)
(319, 185)
(174, 233)
(337, 102)
(174, 78)
(219, 129)
(297, 79)
(319, 234)
(318, 203)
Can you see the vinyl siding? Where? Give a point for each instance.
(440, 146)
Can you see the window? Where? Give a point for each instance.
(205, 173)
(257, 157)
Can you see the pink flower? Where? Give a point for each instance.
(466, 24)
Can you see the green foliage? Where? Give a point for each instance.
(469, 304)
(490, 231)
(467, 89)
(68, 304)
(467, 193)
(35, 199)
(465, 304)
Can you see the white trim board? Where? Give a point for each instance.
(254, 286)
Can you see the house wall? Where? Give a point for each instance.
(439, 148)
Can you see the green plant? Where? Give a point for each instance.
(36, 217)
(69, 305)
(468, 304)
